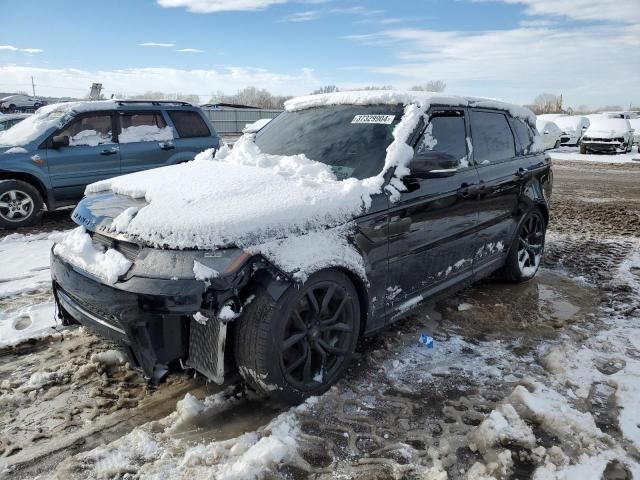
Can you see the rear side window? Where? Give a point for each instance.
(143, 127)
(445, 136)
(525, 135)
(492, 137)
(189, 124)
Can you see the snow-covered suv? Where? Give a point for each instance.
(50, 157)
(340, 216)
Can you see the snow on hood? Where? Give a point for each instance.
(46, 118)
(608, 127)
(241, 198)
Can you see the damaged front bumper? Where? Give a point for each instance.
(612, 146)
(158, 321)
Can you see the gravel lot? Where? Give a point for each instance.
(403, 411)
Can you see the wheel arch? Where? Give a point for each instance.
(30, 179)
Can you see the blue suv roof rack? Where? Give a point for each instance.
(154, 102)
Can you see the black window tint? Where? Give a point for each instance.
(492, 137)
(446, 137)
(153, 119)
(525, 135)
(189, 124)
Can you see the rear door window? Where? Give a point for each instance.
(143, 127)
(525, 134)
(189, 124)
(445, 136)
(492, 137)
(89, 130)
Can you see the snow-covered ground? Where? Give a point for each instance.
(26, 308)
(573, 153)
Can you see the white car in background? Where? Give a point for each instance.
(549, 132)
(625, 114)
(607, 135)
(20, 102)
(573, 127)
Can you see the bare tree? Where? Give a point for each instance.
(251, 97)
(431, 86)
(547, 103)
(326, 89)
(374, 87)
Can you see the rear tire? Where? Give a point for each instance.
(527, 249)
(21, 204)
(301, 344)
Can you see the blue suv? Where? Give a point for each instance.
(49, 158)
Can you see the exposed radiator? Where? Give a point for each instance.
(206, 348)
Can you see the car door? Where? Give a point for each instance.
(92, 154)
(432, 225)
(146, 141)
(503, 168)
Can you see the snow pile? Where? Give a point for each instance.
(77, 248)
(503, 427)
(145, 133)
(256, 126)
(90, 138)
(48, 118)
(242, 198)
(16, 150)
(25, 263)
(122, 221)
(110, 358)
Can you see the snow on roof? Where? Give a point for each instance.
(392, 97)
(47, 117)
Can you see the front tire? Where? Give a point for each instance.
(525, 254)
(21, 204)
(583, 149)
(301, 344)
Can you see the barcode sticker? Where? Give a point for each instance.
(376, 119)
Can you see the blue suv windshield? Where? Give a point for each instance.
(352, 140)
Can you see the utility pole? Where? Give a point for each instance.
(33, 87)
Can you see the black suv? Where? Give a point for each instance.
(278, 275)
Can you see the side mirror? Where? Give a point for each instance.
(60, 141)
(584, 127)
(433, 165)
(546, 132)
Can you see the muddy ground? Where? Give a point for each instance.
(403, 411)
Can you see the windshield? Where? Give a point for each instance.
(352, 140)
(32, 127)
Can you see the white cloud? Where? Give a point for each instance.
(11, 48)
(592, 65)
(190, 50)
(156, 44)
(212, 6)
(302, 16)
(627, 11)
(75, 82)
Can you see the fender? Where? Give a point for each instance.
(32, 179)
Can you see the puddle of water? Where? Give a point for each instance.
(240, 418)
(503, 310)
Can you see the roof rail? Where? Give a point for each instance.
(154, 102)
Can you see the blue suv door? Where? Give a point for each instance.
(193, 133)
(146, 141)
(92, 155)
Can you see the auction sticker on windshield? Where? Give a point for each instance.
(377, 119)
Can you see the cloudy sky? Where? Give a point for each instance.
(588, 50)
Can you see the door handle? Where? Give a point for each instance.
(167, 146)
(521, 173)
(110, 151)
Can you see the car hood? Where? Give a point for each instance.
(605, 133)
(9, 150)
(243, 200)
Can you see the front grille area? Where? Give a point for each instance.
(130, 250)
